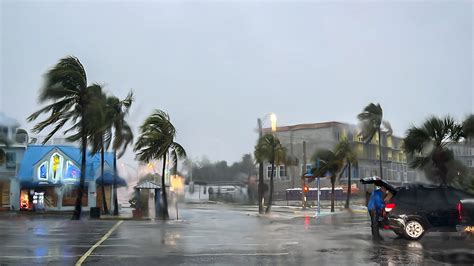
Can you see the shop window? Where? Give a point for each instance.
(11, 160)
(72, 171)
(70, 195)
(56, 167)
(43, 171)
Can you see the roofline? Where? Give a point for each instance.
(308, 126)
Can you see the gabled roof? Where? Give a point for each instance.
(36, 153)
(147, 185)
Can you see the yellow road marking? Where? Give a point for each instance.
(89, 252)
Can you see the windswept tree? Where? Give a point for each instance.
(427, 147)
(157, 138)
(107, 126)
(270, 149)
(371, 122)
(117, 111)
(348, 157)
(66, 90)
(329, 164)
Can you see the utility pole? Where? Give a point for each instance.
(303, 179)
(260, 171)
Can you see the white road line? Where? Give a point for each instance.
(89, 252)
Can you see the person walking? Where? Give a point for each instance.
(375, 207)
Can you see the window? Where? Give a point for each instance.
(43, 171)
(469, 163)
(56, 167)
(309, 167)
(11, 159)
(4, 131)
(269, 171)
(282, 171)
(2, 157)
(72, 171)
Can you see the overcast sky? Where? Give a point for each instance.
(218, 66)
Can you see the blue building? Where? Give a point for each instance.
(48, 179)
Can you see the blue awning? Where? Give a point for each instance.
(109, 180)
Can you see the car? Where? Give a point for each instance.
(416, 209)
(466, 216)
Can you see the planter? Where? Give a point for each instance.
(137, 214)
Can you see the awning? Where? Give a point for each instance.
(147, 185)
(109, 180)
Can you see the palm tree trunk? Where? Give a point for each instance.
(78, 207)
(116, 211)
(260, 188)
(380, 154)
(333, 197)
(349, 190)
(270, 197)
(102, 162)
(164, 209)
(260, 173)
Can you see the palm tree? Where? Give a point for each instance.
(117, 110)
(156, 139)
(270, 149)
(346, 154)
(371, 121)
(329, 163)
(66, 87)
(99, 132)
(427, 146)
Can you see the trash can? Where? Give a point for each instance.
(95, 212)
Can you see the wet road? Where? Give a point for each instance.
(216, 235)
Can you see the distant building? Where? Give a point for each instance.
(464, 152)
(325, 136)
(10, 157)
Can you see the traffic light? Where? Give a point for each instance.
(305, 189)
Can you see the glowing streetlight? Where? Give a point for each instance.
(273, 120)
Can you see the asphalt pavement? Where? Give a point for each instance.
(220, 235)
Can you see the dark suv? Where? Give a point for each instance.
(414, 210)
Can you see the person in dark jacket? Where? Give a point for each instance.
(375, 207)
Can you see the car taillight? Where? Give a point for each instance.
(459, 211)
(389, 207)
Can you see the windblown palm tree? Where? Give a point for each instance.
(329, 164)
(66, 87)
(346, 154)
(99, 132)
(157, 138)
(117, 111)
(371, 121)
(427, 146)
(270, 149)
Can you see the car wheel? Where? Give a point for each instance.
(414, 230)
